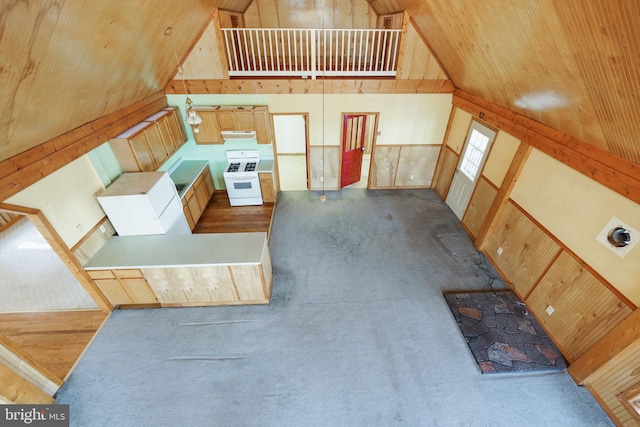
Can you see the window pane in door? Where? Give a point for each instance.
(470, 164)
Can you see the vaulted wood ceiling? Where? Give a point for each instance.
(572, 65)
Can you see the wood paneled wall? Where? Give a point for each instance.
(445, 169)
(544, 273)
(206, 60)
(611, 367)
(403, 166)
(91, 243)
(308, 14)
(479, 206)
(327, 158)
(417, 61)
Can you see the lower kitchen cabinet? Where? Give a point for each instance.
(267, 187)
(197, 197)
(124, 287)
(184, 270)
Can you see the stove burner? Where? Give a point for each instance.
(233, 167)
(250, 167)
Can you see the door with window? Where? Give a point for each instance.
(474, 154)
(353, 144)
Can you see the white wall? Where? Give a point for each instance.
(67, 199)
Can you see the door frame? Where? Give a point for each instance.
(42, 224)
(485, 157)
(375, 116)
(305, 116)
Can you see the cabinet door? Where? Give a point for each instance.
(156, 144)
(244, 120)
(226, 120)
(208, 180)
(194, 208)
(202, 193)
(263, 126)
(142, 152)
(139, 291)
(267, 188)
(187, 214)
(168, 140)
(209, 132)
(176, 125)
(114, 292)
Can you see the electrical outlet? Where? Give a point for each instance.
(550, 310)
(412, 177)
(500, 250)
(103, 229)
(322, 179)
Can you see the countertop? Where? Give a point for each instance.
(186, 173)
(171, 250)
(265, 165)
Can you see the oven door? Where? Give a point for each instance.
(243, 190)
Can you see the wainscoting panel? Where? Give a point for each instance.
(520, 249)
(327, 158)
(446, 170)
(384, 166)
(416, 165)
(584, 309)
(86, 248)
(479, 206)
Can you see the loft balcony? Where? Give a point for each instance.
(311, 53)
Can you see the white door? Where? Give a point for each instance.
(474, 154)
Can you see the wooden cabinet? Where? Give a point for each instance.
(208, 131)
(263, 125)
(197, 197)
(267, 187)
(147, 145)
(235, 118)
(124, 287)
(217, 119)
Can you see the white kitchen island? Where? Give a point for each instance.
(184, 270)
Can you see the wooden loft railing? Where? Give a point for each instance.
(311, 52)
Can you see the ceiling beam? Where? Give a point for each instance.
(615, 173)
(24, 169)
(307, 86)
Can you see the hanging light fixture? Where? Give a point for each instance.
(193, 119)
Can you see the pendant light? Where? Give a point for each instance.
(193, 119)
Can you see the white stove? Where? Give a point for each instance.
(241, 177)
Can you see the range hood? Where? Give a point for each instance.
(229, 135)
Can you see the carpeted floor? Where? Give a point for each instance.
(357, 334)
(502, 335)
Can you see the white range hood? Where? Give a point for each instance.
(230, 135)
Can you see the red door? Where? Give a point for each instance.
(352, 147)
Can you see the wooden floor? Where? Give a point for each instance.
(56, 339)
(220, 217)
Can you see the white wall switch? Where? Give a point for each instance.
(550, 310)
(499, 250)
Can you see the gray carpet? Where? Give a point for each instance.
(357, 334)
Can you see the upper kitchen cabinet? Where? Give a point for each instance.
(218, 119)
(263, 125)
(147, 145)
(235, 118)
(208, 131)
